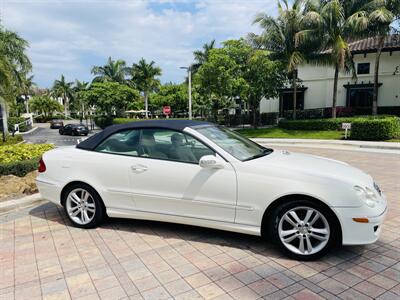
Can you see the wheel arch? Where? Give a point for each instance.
(292, 197)
(77, 182)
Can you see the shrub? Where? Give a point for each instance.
(103, 121)
(323, 124)
(17, 153)
(269, 118)
(11, 140)
(19, 168)
(124, 120)
(11, 121)
(375, 129)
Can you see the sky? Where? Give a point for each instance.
(70, 37)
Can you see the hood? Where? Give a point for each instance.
(312, 165)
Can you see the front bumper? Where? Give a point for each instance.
(355, 233)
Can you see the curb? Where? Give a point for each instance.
(20, 203)
(331, 143)
(29, 131)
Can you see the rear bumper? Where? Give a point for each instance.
(355, 233)
(49, 191)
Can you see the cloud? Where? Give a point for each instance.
(69, 37)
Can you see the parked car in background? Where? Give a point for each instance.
(74, 129)
(56, 124)
(202, 174)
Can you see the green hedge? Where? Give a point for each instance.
(375, 129)
(124, 120)
(103, 121)
(19, 168)
(315, 124)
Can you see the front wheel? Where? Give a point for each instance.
(83, 206)
(304, 230)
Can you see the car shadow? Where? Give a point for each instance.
(164, 230)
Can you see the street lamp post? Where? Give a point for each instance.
(189, 70)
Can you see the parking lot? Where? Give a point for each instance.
(42, 256)
(43, 134)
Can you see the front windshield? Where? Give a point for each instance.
(233, 143)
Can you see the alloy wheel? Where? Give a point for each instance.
(80, 206)
(304, 230)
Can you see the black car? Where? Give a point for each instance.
(74, 129)
(56, 124)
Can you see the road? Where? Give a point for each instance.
(43, 134)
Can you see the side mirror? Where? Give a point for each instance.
(211, 162)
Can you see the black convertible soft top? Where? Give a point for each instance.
(179, 125)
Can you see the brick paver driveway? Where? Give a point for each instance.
(42, 256)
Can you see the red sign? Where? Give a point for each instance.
(166, 110)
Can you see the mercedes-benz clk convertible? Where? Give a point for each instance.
(202, 174)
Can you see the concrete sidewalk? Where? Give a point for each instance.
(366, 146)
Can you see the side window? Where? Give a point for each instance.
(171, 145)
(123, 142)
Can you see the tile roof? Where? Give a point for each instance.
(392, 42)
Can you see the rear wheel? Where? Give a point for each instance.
(304, 230)
(83, 206)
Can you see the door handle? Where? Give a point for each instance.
(138, 168)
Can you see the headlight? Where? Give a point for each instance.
(367, 195)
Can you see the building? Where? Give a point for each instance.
(316, 85)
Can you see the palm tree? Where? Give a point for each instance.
(144, 77)
(279, 37)
(13, 63)
(201, 56)
(62, 88)
(113, 70)
(79, 102)
(374, 20)
(27, 85)
(328, 22)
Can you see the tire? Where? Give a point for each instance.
(304, 240)
(86, 214)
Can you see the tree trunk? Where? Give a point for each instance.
(376, 76)
(146, 105)
(65, 106)
(254, 114)
(335, 83)
(294, 86)
(26, 104)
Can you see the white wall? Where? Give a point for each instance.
(319, 81)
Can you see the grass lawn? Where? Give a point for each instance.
(292, 134)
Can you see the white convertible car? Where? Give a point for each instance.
(201, 174)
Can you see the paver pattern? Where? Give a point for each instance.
(43, 257)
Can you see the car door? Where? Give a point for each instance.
(68, 129)
(111, 161)
(167, 179)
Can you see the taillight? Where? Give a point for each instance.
(42, 166)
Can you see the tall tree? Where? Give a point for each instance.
(279, 36)
(144, 76)
(62, 88)
(26, 89)
(79, 102)
(201, 56)
(14, 64)
(328, 23)
(109, 97)
(374, 19)
(113, 70)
